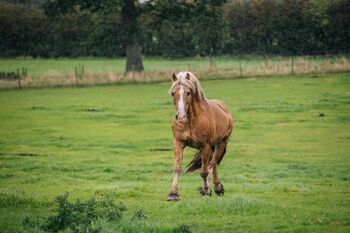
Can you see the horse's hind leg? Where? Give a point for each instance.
(204, 171)
(218, 154)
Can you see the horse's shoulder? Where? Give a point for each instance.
(214, 103)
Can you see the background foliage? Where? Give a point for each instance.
(180, 29)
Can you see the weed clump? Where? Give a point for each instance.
(80, 216)
(181, 229)
(95, 215)
(139, 215)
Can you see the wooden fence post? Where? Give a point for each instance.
(212, 62)
(76, 75)
(292, 71)
(240, 67)
(133, 73)
(79, 74)
(82, 71)
(18, 75)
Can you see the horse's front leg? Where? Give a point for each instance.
(178, 155)
(206, 153)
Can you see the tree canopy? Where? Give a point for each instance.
(70, 28)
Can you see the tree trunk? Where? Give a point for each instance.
(133, 57)
(132, 31)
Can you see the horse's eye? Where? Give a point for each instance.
(188, 93)
(172, 93)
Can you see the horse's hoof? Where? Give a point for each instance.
(204, 192)
(173, 197)
(219, 190)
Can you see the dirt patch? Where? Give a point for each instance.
(160, 149)
(20, 154)
(90, 110)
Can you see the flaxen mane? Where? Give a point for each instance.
(192, 83)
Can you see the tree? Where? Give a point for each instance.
(291, 26)
(129, 15)
(251, 26)
(172, 34)
(209, 26)
(132, 32)
(184, 28)
(240, 17)
(339, 26)
(21, 30)
(105, 38)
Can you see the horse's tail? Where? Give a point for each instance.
(196, 162)
(222, 156)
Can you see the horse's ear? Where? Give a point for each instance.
(188, 76)
(174, 78)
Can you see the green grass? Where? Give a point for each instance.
(42, 67)
(65, 66)
(287, 169)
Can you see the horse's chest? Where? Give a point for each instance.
(193, 140)
(194, 137)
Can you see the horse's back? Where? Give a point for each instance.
(220, 104)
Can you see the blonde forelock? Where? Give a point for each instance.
(192, 83)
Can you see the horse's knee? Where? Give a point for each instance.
(204, 174)
(177, 170)
(213, 164)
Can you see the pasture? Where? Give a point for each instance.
(65, 72)
(287, 168)
(65, 66)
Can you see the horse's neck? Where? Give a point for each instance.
(195, 110)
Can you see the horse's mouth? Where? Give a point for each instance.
(182, 121)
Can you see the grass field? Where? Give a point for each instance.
(61, 72)
(41, 67)
(287, 168)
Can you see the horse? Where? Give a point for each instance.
(203, 124)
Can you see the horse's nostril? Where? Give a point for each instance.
(182, 117)
(177, 116)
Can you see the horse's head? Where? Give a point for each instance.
(182, 98)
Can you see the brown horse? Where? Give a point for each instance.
(202, 124)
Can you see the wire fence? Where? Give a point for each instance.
(230, 68)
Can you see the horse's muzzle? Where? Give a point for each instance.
(180, 117)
